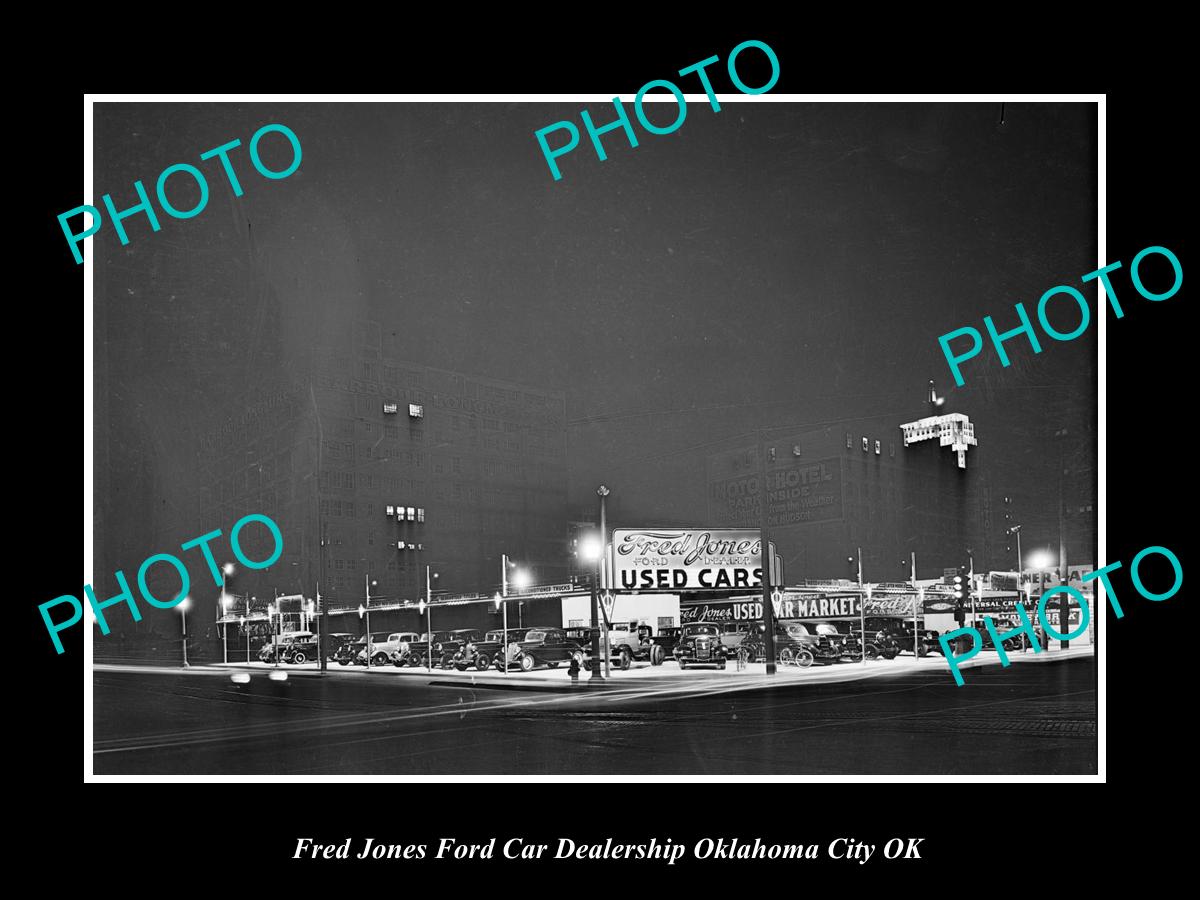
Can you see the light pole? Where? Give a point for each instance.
(916, 600)
(765, 559)
(502, 603)
(591, 550)
(272, 608)
(862, 609)
(367, 585)
(603, 493)
(223, 607)
(247, 629)
(1016, 529)
(429, 576)
(183, 608)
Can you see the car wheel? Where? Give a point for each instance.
(379, 659)
(343, 662)
(890, 654)
(482, 662)
(298, 658)
(682, 663)
(527, 662)
(626, 659)
(721, 664)
(804, 658)
(872, 651)
(787, 656)
(657, 655)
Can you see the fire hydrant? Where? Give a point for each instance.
(573, 670)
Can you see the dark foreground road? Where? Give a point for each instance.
(1026, 719)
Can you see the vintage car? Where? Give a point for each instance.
(292, 641)
(546, 646)
(423, 650)
(700, 645)
(627, 641)
(481, 653)
(732, 635)
(795, 644)
(852, 648)
(668, 639)
(452, 644)
(383, 645)
(335, 641)
(349, 652)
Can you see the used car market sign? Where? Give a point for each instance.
(686, 560)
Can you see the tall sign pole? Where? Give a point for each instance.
(606, 654)
(862, 611)
(765, 561)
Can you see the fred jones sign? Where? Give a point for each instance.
(686, 560)
(791, 606)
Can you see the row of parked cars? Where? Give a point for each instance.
(694, 644)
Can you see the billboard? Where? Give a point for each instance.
(799, 491)
(791, 605)
(685, 559)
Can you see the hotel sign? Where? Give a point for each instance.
(685, 559)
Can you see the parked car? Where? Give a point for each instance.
(546, 646)
(335, 641)
(481, 653)
(383, 645)
(795, 644)
(876, 647)
(700, 645)
(452, 644)
(668, 639)
(286, 644)
(349, 652)
(418, 651)
(732, 636)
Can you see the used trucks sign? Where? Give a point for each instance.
(684, 560)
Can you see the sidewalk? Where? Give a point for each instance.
(753, 674)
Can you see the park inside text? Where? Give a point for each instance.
(1102, 575)
(126, 595)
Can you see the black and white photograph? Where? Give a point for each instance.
(528, 438)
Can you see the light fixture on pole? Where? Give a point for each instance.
(183, 608)
(429, 576)
(606, 651)
(1016, 529)
(862, 607)
(367, 585)
(591, 550)
(223, 605)
(502, 603)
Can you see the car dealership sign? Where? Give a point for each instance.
(686, 560)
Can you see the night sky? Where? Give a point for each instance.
(768, 264)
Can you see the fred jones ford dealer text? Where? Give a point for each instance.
(847, 849)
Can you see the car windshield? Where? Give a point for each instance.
(535, 635)
(494, 636)
(795, 629)
(693, 630)
(734, 627)
(825, 628)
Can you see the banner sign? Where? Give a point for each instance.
(686, 560)
(791, 605)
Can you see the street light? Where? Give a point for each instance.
(429, 576)
(183, 608)
(502, 603)
(591, 549)
(367, 585)
(225, 602)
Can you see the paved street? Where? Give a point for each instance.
(1032, 718)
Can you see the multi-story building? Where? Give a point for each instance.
(376, 468)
